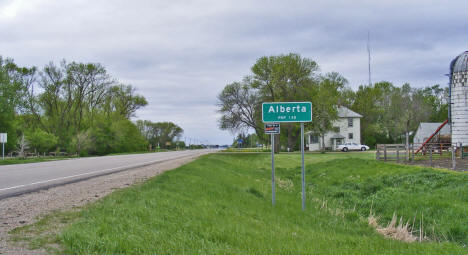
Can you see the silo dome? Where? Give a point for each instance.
(459, 99)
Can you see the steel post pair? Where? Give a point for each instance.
(273, 197)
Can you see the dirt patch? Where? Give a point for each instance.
(461, 164)
(27, 209)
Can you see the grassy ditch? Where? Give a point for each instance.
(434, 202)
(44, 233)
(246, 150)
(14, 161)
(221, 204)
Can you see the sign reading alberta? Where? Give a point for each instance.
(287, 112)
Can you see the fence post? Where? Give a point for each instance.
(378, 152)
(385, 152)
(430, 151)
(412, 152)
(398, 153)
(407, 152)
(454, 161)
(462, 151)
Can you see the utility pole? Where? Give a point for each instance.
(369, 57)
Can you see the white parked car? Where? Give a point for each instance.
(352, 147)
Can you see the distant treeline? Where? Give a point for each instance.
(390, 113)
(74, 108)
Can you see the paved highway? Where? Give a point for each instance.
(22, 178)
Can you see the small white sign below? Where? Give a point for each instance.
(272, 128)
(3, 137)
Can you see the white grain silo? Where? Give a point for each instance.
(459, 99)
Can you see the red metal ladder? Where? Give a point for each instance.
(428, 139)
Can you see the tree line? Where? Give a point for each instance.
(390, 113)
(72, 107)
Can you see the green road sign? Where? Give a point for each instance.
(287, 112)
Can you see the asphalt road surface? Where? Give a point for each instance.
(23, 178)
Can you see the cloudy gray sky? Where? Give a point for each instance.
(180, 54)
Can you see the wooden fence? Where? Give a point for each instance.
(428, 154)
(464, 152)
(391, 152)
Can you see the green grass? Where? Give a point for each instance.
(246, 150)
(13, 161)
(438, 198)
(43, 234)
(221, 204)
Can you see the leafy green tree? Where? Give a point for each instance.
(162, 134)
(436, 97)
(77, 103)
(285, 78)
(123, 100)
(326, 97)
(41, 141)
(373, 103)
(390, 112)
(408, 109)
(281, 78)
(127, 136)
(180, 145)
(11, 90)
(81, 143)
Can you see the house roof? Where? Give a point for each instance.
(344, 112)
(337, 136)
(426, 129)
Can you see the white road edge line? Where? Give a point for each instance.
(77, 175)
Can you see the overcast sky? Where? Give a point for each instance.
(180, 54)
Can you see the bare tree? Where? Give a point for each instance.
(240, 105)
(23, 145)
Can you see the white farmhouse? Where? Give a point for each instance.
(347, 128)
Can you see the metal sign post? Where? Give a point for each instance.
(303, 168)
(272, 129)
(286, 112)
(3, 140)
(273, 169)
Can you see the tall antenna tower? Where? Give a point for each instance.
(369, 58)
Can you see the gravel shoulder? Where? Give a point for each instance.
(28, 208)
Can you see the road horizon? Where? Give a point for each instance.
(24, 178)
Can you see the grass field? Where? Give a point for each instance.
(221, 204)
(14, 161)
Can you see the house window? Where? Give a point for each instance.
(350, 136)
(336, 129)
(314, 139)
(350, 122)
